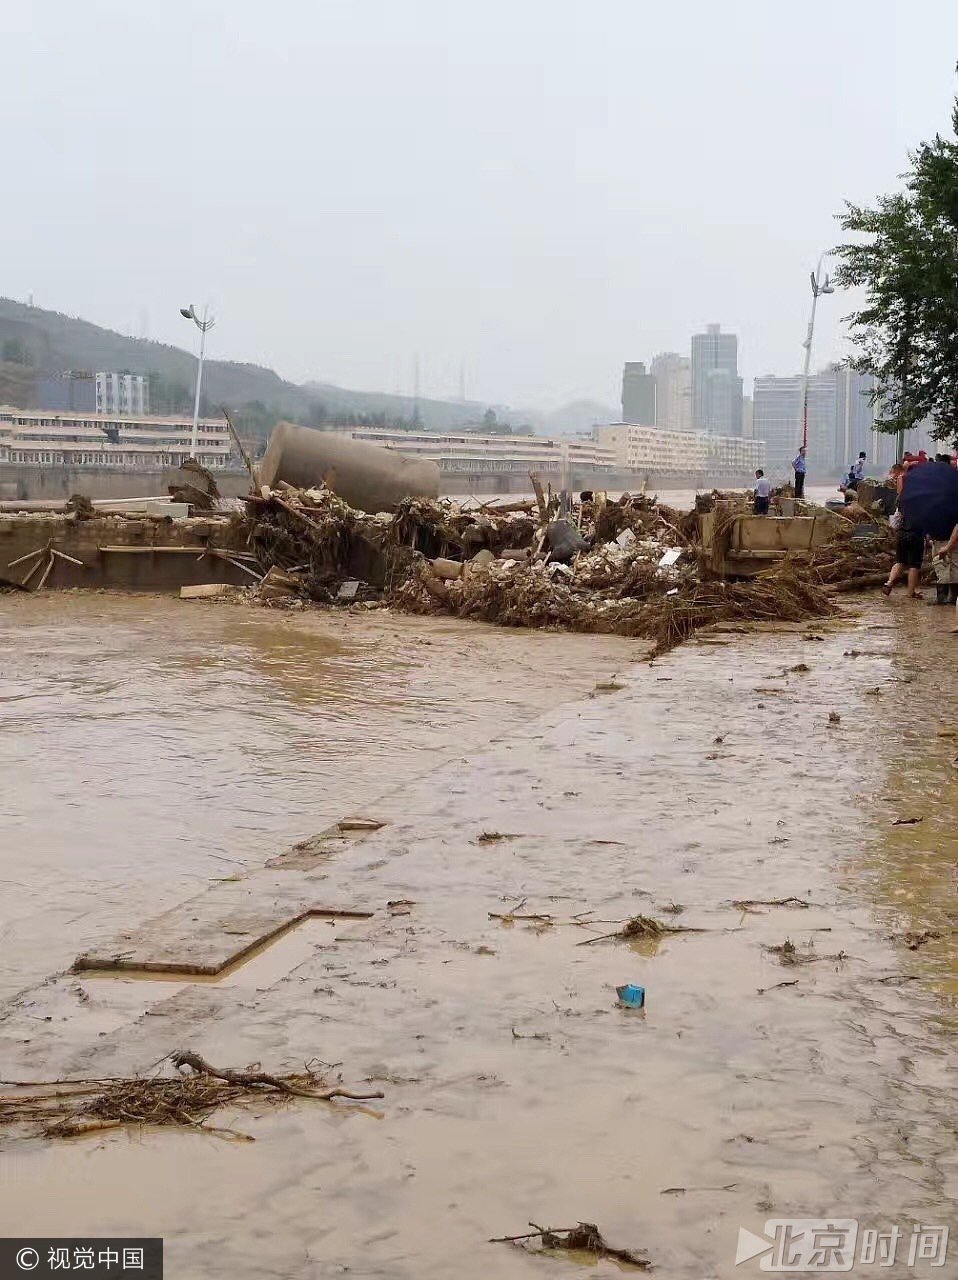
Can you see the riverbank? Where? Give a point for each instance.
(515, 1088)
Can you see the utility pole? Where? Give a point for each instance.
(204, 325)
(819, 286)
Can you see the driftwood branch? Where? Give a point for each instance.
(187, 1058)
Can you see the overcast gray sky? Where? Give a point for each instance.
(538, 188)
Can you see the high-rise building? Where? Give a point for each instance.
(716, 385)
(638, 394)
(673, 391)
(122, 393)
(840, 419)
(855, 417)
(777, 419)
(747, 418)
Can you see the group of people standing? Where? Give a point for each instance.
(911, 543)
(763, 486)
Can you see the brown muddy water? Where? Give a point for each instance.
(149, 748)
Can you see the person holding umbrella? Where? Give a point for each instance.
(929, 505)
(944, 557)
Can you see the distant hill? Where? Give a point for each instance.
(34, 341)
(578, 415)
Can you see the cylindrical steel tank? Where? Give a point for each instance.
(367, 476)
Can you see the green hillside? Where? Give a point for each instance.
(34, 341)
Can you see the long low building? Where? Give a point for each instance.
(467, 454)
(692, 457)
(35, 437)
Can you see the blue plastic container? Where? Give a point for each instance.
(631, 995)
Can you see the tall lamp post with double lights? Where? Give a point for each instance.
(820, 285)
(204, 326)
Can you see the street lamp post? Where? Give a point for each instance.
(204, 325)
(819, 286)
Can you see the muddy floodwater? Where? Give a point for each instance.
(156, 755)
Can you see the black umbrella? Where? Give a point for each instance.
(929, 499)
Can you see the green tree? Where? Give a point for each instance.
(905, 258)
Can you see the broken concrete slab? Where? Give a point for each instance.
(219, 927)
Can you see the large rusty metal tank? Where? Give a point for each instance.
(367, 476)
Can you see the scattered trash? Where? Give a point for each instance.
(584, 1238)
(761, 990)
(834, 717)
(626, 539)
(490, 837)
(907, 822)
(347, 592)
(800, 668)
(632, 995)
(535, 1035)
(670, 557)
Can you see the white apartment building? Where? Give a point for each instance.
(122, 393)
(685, 454)
(36, 437)
(466, 453)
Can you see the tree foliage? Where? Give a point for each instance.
(905, 257)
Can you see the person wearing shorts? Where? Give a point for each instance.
(909, 554)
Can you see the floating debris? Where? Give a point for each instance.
(632, 995)
(748, 904)
(584, 1238)
(915, 938)
(789, 954)
(641, 927)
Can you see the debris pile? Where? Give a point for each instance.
(852, 559)
(69, 1108)
(303, 540)
(632, 567)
